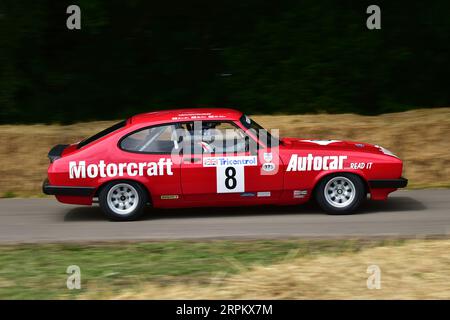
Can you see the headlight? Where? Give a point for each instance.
(386, 151)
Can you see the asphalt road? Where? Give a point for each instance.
(416, 213)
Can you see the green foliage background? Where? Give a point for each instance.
(258, 56)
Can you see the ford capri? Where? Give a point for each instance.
(215, 157)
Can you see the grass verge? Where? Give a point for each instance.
(130, 269)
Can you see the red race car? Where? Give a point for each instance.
(215, 157)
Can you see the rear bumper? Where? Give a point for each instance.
(66, 190)
(388, 183)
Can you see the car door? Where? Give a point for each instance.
(224, 164)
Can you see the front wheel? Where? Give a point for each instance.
(122, 201)
(340, 193)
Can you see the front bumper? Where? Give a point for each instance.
(388, 183)
(66, 190)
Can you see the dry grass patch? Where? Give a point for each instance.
(416, 270)
(419, 137)
(23, 153)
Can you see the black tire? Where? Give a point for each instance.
(137, 207)
(331, 206)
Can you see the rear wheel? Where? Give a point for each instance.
(122, 201)
(340, 193)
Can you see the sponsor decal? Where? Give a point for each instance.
(197, 116)
(315, 163)
(361, 165)
(169, 196)
(209, 162)
(268, 156)
(263, 194)
(322, 142)
(230, 175)
(247, 194)
(79, 169)
(268, 166)
(230, 161)
(299, 193)
(230, 179)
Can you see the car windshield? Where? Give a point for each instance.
(263, 135)
(102, 133)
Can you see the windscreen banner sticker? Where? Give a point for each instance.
(197, 116)
(230, 175)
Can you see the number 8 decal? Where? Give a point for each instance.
(230, 179)
(230, 174)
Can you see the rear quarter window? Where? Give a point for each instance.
(158, 139)
(102, 133)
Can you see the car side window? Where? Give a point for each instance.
(223, 138)
(158, 139)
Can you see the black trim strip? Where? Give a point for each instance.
(388, 183)
(66, 190)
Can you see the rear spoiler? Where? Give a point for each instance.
(56, 151)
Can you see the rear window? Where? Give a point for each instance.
(102, 133)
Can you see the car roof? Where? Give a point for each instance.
(191, 114)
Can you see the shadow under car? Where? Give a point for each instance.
(394, 204)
